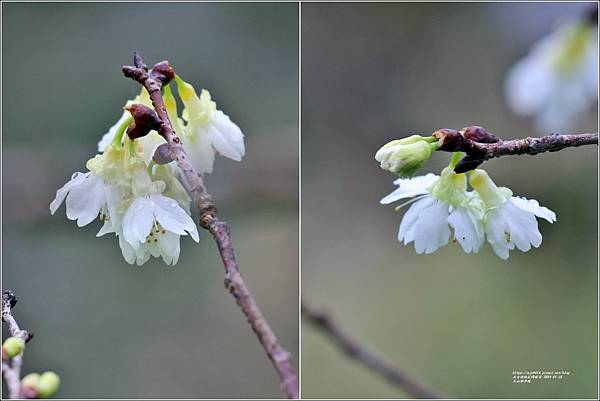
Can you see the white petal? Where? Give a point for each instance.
(501, 251)
(203, 154)
(410, 187)
(226, 136)
(113, 201)
(528, 85)
(127, 250)
(532, 206)
(466, 229)
(172, 216)
(76, 179)
(410, 218)
(138, 221)
(169, 245)
(107, 228)
(85, 201)
(431, 228)
(149, 144)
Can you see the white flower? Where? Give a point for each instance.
(154, 224)
(88, 196)
(440, 203)
(558, 80)
(510, 221)
(208, 130)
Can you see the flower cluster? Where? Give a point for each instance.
(442, 207)
(140, 201)
(558, 80)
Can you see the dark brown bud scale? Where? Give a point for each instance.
(451, 139)
(479, 134)
(163, 71)
(144, 121)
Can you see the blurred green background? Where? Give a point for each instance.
(109, 329)
(459, 323)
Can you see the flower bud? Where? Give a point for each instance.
(488, 191)
(13, 346)
(162, 154)
(28, 386)
(163, 71)
(47, 384)
(404, 157)
(30, 380)
(479, 134)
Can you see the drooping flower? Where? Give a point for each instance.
(558, 80)
(208, 129)
(438, 204)
(404, 157)
(147, 210)
(509, 221)
(154, 216)
(90, 195)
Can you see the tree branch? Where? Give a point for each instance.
(480, 145)
(11, 369)
(360, 353)
(153, 80)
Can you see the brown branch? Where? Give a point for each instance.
(360, 353)
(480, 145)
(153, 80)
(11, 369)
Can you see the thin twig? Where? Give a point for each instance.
(482, 145)
(369, 358)
(153, 80)
(11, 370)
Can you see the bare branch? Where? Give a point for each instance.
(11, 369)
(480, 145)
(369, 358)
(153, 81)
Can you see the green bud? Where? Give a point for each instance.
(47, 384)
(30, 380)
(13, 346)
(405, 157)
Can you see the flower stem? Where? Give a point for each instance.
(456, 156)
(118, 139)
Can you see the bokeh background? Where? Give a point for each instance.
(459, 323)
(108, 329)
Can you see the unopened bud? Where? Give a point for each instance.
(47, 384)
(13, 346)
(30, 380)
(163, 71)
(162, 154)
(404, 157)
(479, 134)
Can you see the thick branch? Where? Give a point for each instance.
(153, 81)
(480, 145)
(11, 370)
(359, 352)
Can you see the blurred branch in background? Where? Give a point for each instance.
(11, 364)
(481, 145)
(153, 80)
(362, 354)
